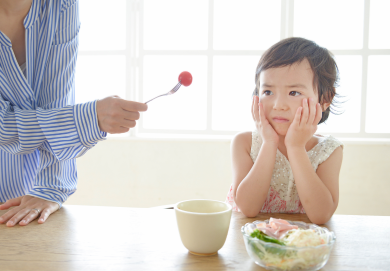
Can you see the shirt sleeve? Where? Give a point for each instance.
(75, 127)
(57, 130)
(57, 173)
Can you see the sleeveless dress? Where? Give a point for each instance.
(283, 195)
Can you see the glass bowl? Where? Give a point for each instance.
(273, 256)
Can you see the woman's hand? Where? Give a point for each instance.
(116, 115)
(28, 209)
(265, 129)
(304, 124)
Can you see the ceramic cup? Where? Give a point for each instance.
(203, 225)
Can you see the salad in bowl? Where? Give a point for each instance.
(278, 244)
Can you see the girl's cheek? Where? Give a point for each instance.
(315, 98)
(260, 97)
(301, 100)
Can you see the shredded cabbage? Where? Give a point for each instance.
(288, 259)
(303, 238)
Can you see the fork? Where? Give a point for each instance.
(169, 93)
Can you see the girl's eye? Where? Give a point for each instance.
(267, 92)
(295, 93)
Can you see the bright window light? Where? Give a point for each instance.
(140, 47)
(233, 85)
(350, 91)
(333, 24)
(175, 24)
(246, 24)
(100, 76)
(378, 95)
(103, 26)
(379, 24)
(187, 108)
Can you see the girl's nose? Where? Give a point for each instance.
(280, 104)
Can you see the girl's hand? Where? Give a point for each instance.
(304, 124)
(26, 210)
(265, 129)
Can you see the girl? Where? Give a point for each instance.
(282, 166)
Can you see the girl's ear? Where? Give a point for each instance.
(326, 105)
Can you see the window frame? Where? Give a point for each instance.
(135, 54)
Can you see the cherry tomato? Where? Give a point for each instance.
(185, 78)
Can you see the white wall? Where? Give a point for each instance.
(150, 172)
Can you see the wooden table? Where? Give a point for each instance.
(111, 238)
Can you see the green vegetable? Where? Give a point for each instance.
(263, 237)
(256, 250)
(283, 258)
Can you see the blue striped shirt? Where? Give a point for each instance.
(42, 131)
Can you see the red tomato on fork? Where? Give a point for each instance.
(185, 78)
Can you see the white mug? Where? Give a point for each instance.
(203, 225)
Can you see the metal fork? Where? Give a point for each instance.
(169, 93)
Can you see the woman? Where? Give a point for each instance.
(41, 130)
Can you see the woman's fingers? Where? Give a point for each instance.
(33, 214)
(10, 203)
(312, 111)
(17, 217)
(131, 115)
(318, 114)
(8, 215)
(30, 209)
(111, 111)
(132, 106)
(44, 215)
(128, 123)
(305, 112)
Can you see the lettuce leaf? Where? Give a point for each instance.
(263, 237)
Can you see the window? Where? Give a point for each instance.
(139, 48)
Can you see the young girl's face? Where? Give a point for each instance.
(282, 90)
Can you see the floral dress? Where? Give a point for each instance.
(283, 195)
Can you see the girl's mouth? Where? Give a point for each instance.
(280, 120)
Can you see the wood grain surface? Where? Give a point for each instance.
(113, 238)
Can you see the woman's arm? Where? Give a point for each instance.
(46, 119)
(251, 181)
(37, 115)
(37, 112)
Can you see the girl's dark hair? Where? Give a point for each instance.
(294, 50)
